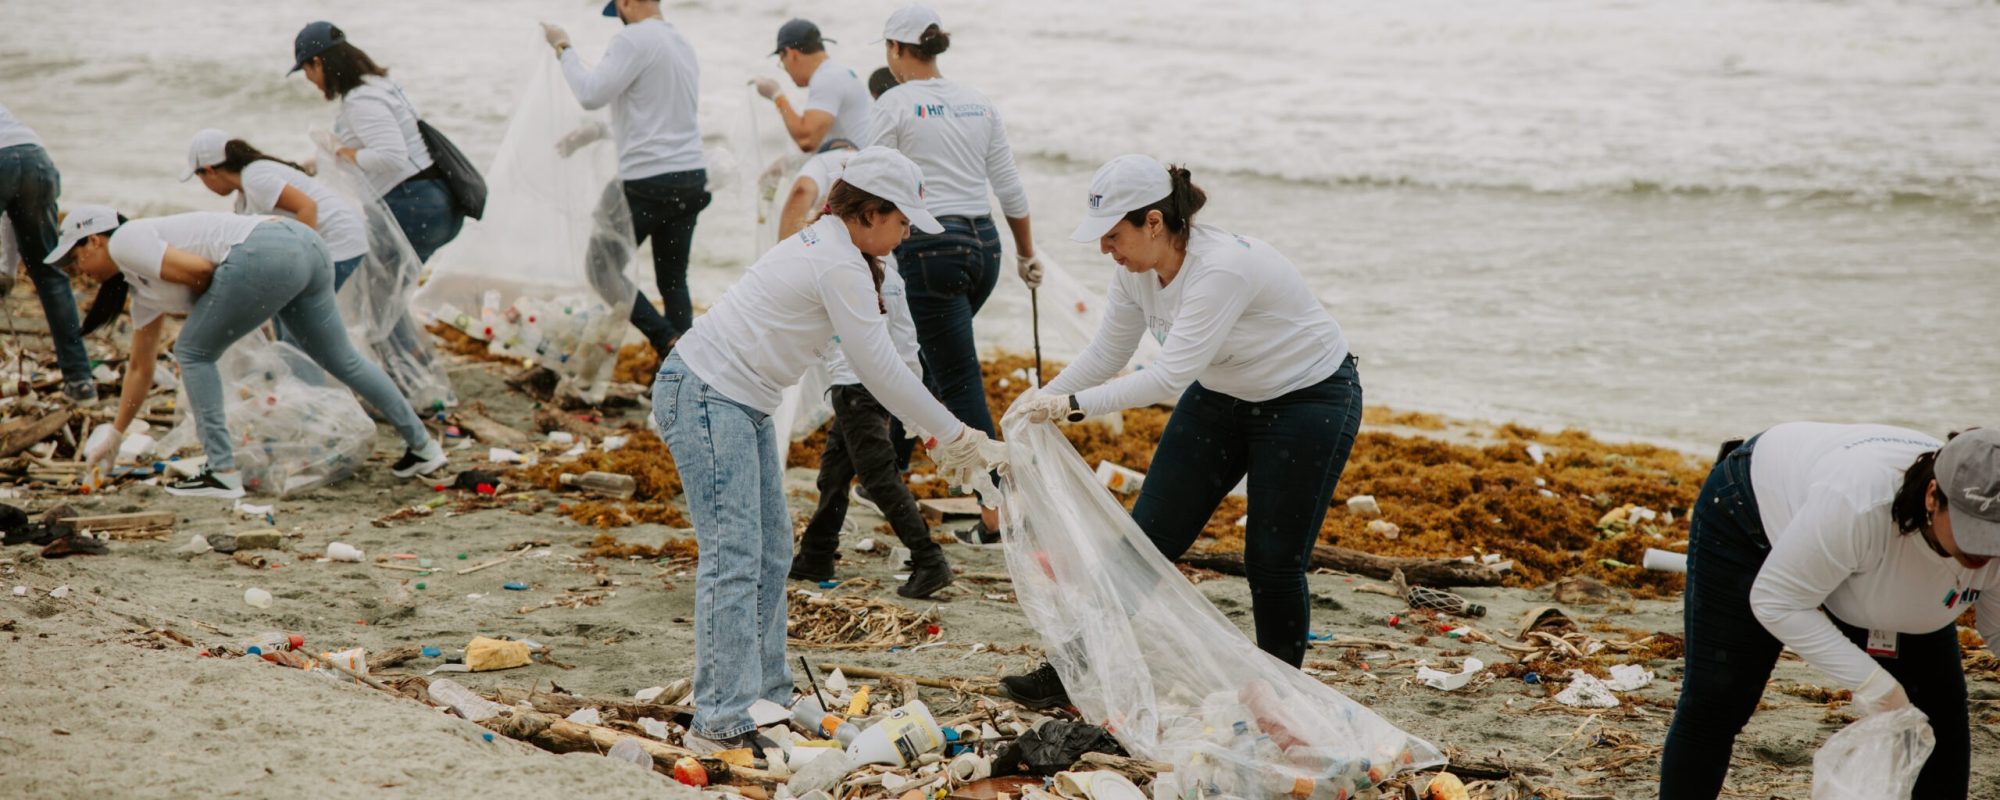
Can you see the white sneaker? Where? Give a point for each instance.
(209, 484)
(421, 461)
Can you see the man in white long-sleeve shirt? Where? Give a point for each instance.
(650, 79)
(837, 103)
(1858, 547)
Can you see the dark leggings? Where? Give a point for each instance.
(1293, 448)
(858, 445)
(664, 209)
(1730, 654)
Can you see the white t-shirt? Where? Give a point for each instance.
(377, 120)
(823, 170)
(138, 247)
(954, 134)
(836, 90)
(12, 132)
(1239, 318)
(650, 79)
(779, 319)
(902, 330)
(1824, 493)
(339, 224)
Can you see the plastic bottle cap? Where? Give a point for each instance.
(296, 641)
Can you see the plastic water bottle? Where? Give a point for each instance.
(609, 484)
(272, 642)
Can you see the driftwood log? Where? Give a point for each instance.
(1419, 571)
(870, 673)
(473, 420)
(22, 434)
(558, 735)
(565, 705)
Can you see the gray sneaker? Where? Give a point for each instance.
(83, 392)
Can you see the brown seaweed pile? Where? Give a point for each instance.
(644, 458)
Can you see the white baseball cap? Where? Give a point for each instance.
(207, 150)
(907, 24)
(1123, 185)
(80, 222)
(892, 176)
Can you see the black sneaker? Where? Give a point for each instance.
(422, 461)
(926, 579)
(207, 484)
(1039, 689)
(812, 568)
(978, 535)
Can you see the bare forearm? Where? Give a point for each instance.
(1024, 241)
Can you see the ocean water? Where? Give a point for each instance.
(1671, 221)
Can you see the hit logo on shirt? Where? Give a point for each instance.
(1953, 598)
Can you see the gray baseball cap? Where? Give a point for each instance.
(1968, 470)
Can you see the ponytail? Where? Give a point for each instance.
(852, 203)
(1178, 208)
(109, 303)
(1908, 508)
(929, 46)
(238, 154)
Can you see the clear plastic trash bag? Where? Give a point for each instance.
(294, 426)
(1876, 758)
(552, 260)
(1144, 654)
(375, 302)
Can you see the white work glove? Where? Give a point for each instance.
(1879, 693)
(964, 461)
(1048, 407)
(766, 87)
(558, 38)
(1030, 268)
(575, 140)
(101, 449)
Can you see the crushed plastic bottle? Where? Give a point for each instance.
(271, 642)
(608, 484)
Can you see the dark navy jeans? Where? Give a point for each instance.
(1294, 448)
(29, 186)
(950, 275)
(423, 208)
(1730, 654)
(664, 208)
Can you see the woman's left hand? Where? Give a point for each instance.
(347, 153)
(1046, 407)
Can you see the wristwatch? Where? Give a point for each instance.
(1075, 411)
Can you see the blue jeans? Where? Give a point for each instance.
(1293, 447)
(423, 208)
(1730, 653)
(733, 480)
(344, 269)
(950, 275)
(282, 268)
(29, 186)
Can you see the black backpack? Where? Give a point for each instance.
(461, 178)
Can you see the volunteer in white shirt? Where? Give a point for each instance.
(955, 135)
(29, 186)
(377, 128)
(265, 185)
(815, 177)
(1857, 546)
(712, 405)
(227, 274)
(652, 82)
(863, 440)
(1265, 382)
(836, 102)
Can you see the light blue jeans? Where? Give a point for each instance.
(734, 484)
(282, 270)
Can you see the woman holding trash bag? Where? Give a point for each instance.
(955, 135)
(266, 185)
(712, 404)
(377, 129)
(1857, 546)
(1266, 384)
(227, 274)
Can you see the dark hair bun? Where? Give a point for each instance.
(933, 43)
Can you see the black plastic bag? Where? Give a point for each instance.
(461, 178)
(1052, 747)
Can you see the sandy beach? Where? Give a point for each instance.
(104, 695)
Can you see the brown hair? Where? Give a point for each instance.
(1908, 508)
(342, 67)
(238, 154)
(852, 203)
(1178, 208)
(929, 46)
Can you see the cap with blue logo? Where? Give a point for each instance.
(892, 176)
(1968, 472)
(1123, 185)
(80, 222)
(315, 38)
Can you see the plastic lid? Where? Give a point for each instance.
(296, 640)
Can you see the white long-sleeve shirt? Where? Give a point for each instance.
(339, 222)
(139, 247)
(955, 136)
(1824, 493)
(1238, 317)
(14, 132)
(650, 79)
(377, 120)
(779, 319)
(902, 330)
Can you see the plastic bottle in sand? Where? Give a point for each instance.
(272, 642)
(609, 484)
(808, 712)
